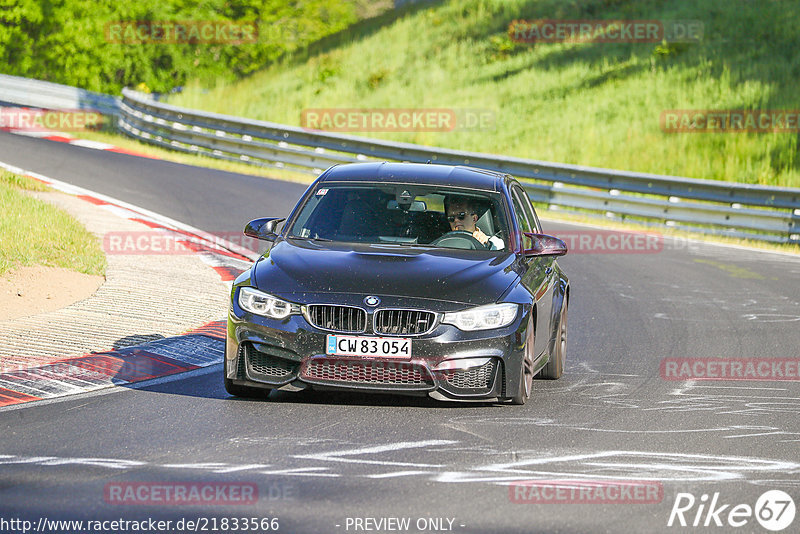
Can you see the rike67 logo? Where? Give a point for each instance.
(774, 510)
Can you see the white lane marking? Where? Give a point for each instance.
(301, 441)
(754, 317)
(39, 134)
(645, 465)
(399, 474)
(86, 143)
(217, 467)
(8, 459)
(124, 213)
(337, 456)
(110, 463)
(302, 472)
(698, 386)
(608, 465)
(770, 317)
(770, 432)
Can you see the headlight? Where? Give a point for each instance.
(255, 301)
(483, 317)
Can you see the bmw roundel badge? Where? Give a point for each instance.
(372, 301)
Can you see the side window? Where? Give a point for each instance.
(529, 211)
(519, 211)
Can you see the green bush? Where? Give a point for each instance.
(67, 41)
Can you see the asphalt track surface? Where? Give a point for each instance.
(319, 459)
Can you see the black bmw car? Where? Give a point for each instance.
(402, 278)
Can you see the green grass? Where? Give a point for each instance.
(21, 182)
(33, 232)
(591, 103)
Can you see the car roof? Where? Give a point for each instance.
(417, 173)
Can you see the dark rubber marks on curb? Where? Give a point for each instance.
(197, 348)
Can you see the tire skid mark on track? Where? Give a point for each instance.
(727, 431)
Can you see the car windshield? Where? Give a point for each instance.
(404, 214)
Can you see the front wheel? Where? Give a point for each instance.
(526, 378)
(555, 366)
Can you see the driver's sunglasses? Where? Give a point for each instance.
(460, 216)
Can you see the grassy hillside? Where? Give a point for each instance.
(586, 103)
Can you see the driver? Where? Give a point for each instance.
(462, 216)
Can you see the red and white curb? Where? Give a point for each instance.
(192, 350)
(63, 137)
(195, 349)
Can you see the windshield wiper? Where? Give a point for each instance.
(386, 244)
(316, 238)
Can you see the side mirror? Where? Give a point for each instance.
(263, 228)
(544, 245)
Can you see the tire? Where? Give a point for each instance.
(245, 391)
(555, 366)
(526, 378)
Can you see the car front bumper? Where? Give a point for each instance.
(446, 363)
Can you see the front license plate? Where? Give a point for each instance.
(382, 347)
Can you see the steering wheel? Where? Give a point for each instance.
(459, 239)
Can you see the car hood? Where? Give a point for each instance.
(470, 277)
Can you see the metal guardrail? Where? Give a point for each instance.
(705, 206)
(38, 94)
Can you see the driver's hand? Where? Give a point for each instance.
(480, 236)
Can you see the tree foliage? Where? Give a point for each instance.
(68, 41)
